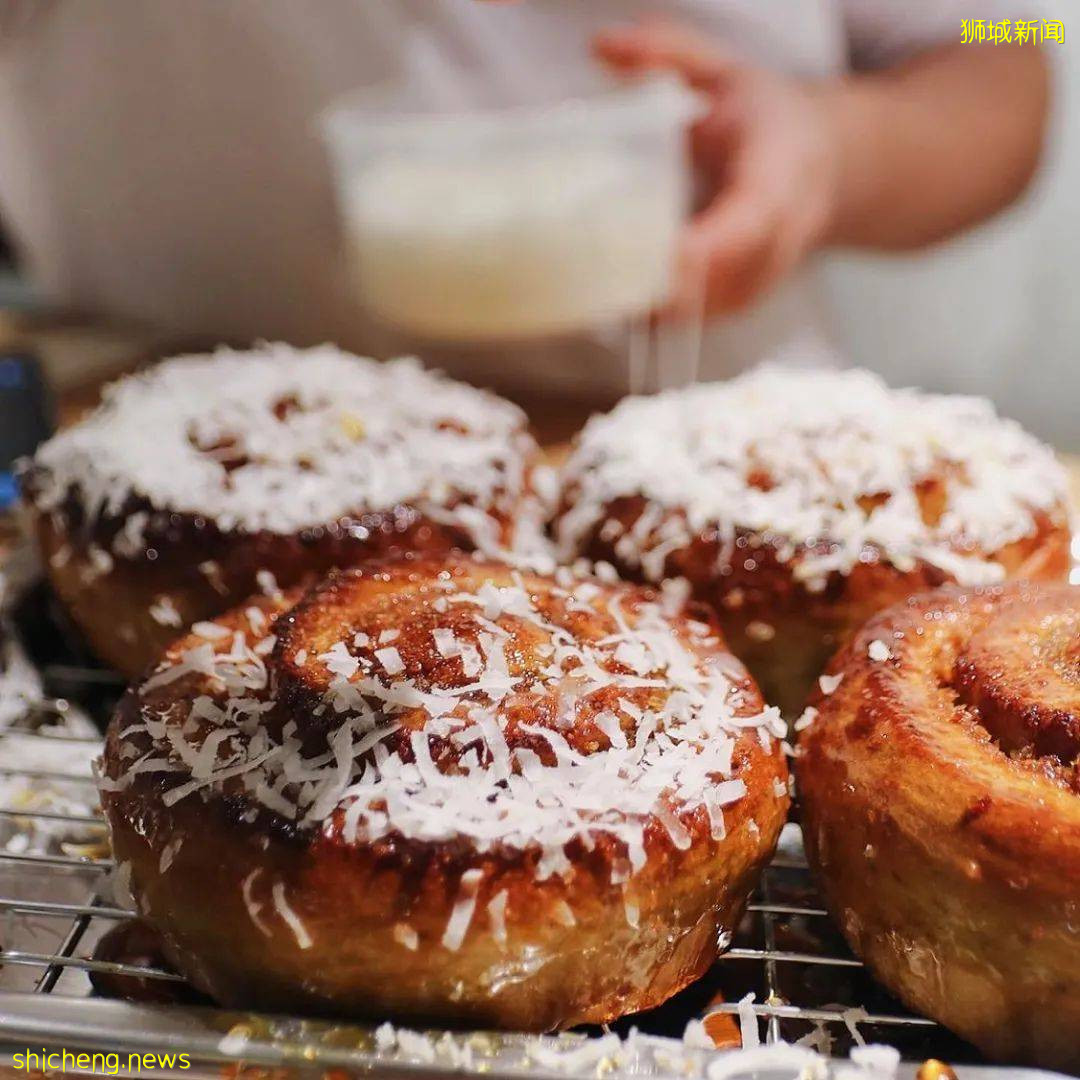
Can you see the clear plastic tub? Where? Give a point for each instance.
(515, 223)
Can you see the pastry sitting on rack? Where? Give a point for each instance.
(446, 790)
(941, 811)
(209, 478)
(799, 502)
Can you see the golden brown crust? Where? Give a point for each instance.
(121, 603)
(162, 506)
(781, 627)
(943, 827)
(587, 943)
(799, 501)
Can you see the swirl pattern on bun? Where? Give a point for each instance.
(941, 811)
(446, 790)
(165, 505)
(797, 503)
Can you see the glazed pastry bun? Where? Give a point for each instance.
(208, 477)
(799, 502)
(446, 791)
(941, 811)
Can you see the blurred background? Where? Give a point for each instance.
(992, 311)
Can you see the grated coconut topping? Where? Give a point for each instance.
(283, 439)
(828, 463)
(434, 758)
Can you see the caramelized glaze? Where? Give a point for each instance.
(941, 812)
(447, 890)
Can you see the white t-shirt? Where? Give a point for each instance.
(160, 160)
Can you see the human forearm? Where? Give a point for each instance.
(933, 145)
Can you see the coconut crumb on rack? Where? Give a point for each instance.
(834, 456)
(20, 684)
(38, 736)
(852, 1017)
(637, 1055)
(67, 746)
(748, 1024)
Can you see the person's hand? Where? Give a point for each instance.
(766, 152)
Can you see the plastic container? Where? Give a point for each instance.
(516, 223)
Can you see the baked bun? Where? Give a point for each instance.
(207, 477)
(797, 503)
(446, 791)
(941, 811)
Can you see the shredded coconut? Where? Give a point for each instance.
(34, 738)
(282, 439)
(852, 1018)
(696, 1037)
(163, 612)
(462, 913)
(878, 651)
(436, 760)
(829, 464)
(405, 935)
(829, 683)
(876, 1059)
(391, 660)
(748, 1024)
(254, 908)
(289, 917)
(497, 913)
(635, 1055)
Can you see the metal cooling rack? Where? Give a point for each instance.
(54, 909)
